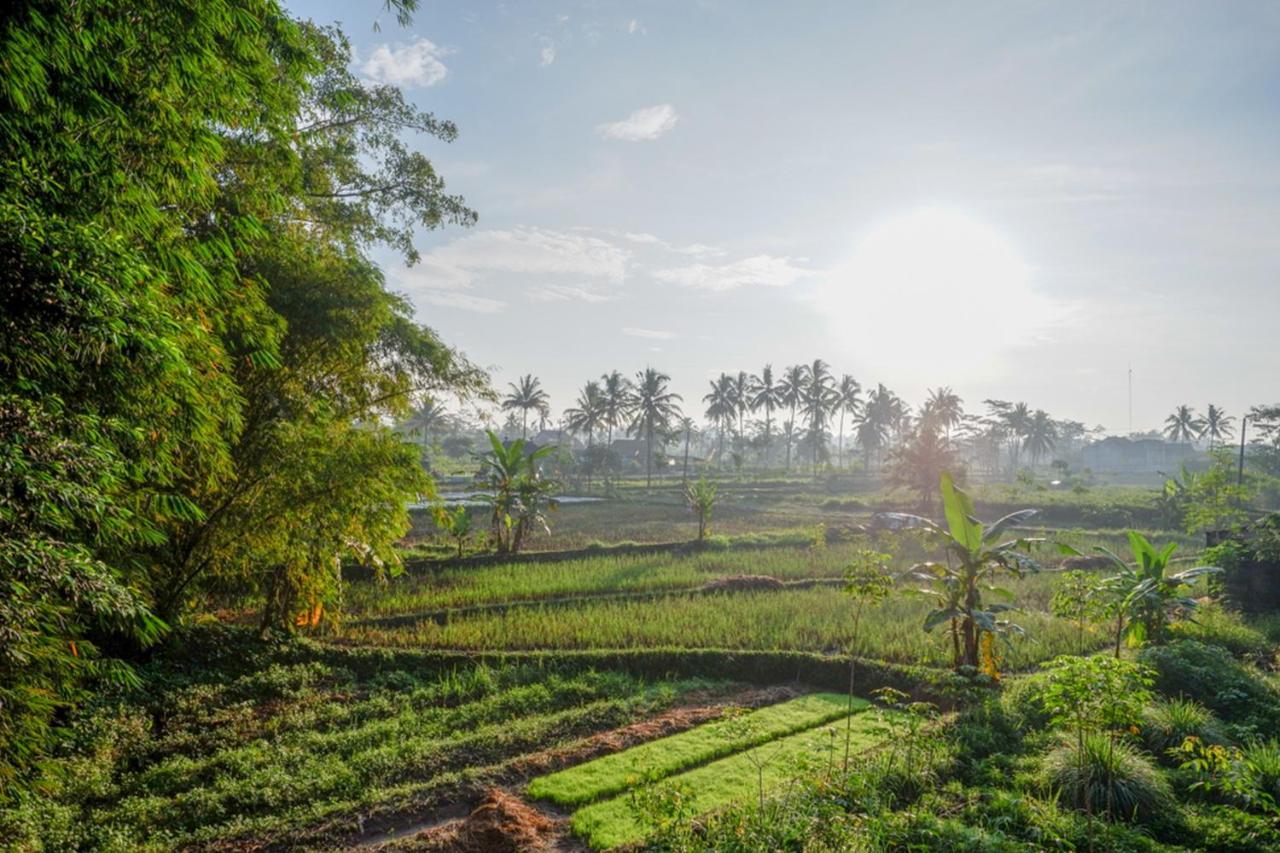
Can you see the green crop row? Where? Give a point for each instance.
(735, 779)
(614, 773)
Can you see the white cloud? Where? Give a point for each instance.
(634, 26)
(760, 270)
(652, 334)
(643, 124)
(580, 267)
(461, 301)
(416, 64)
(548, 54)
(565, 293)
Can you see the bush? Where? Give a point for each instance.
(1236, 692)
(1021, 700)
(1169, 722)
(1220, 627)
(1112, 778)
(1263, 762)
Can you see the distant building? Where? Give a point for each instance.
(1138, 455)
(628, 449)
(557, 437)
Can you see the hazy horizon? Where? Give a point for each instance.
(1015, 201)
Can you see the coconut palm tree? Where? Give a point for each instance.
(525, 396)
(1017, 420)
(687, 426)
(1182, 425)
(849, 402)
(741, 400)
(616, 390)
(819, 402)
(587, 416)
(944, 407)
(791, 392)
(653, 407)
(878, 416)
(721, 406)
(1041, 435)
(1217, 425)
(766, 394)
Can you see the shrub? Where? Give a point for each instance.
(1220, 627)
(1168, 723)
(1021, 699)
(1111, 777)
(1236, 692)
(1263, 762)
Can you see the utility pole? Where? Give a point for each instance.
(1131, 398)
(1244, 423)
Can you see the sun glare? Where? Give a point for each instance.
(934, 286)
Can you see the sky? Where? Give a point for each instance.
(1018, 200)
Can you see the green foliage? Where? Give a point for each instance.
(1237, 692)
(1109, 777)
(614, 773)
(701, 498)
(1168, 722)
(1144, 596)
(976, 556)
(518, 493)
(196, 355)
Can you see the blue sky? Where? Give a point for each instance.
(1018, 199)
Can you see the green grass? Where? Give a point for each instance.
(814, 619)
(614, 773)
(605, 574)
(735, 779)
(278, 751)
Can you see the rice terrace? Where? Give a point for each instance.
(473, 427)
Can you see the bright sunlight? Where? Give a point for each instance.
(930, 273)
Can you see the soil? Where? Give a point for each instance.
(735, 583)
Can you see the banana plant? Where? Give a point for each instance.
(518, 492)
(976, 554)
(1145, 597)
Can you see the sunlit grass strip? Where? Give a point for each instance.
(735, 779)
(466, 587)
(613, 773)
(804, 619)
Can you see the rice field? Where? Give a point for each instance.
(735, 779)
(811, 619)
(613, 774)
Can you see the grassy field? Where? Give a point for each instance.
(735, 779)
(613, 774)
(816, 619)
(287, 747)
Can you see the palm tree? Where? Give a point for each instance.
(741, 400)
(686, 426)
(791, 391)
(526, 395)
(766, 394)
(849, 401)
(586, 417)
(1182, 425)
(944, 407)
(878, 415)
(616, 390)
(1041, 435)
(1017, 418)
(819, 402)
(721, 407)
(652, 408)
(1217, 425)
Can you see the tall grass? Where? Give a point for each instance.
(815, 619)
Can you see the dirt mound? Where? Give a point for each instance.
(502, 823)
(1087, 563)
(734, 583)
